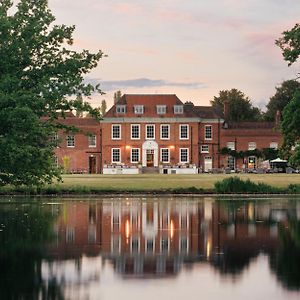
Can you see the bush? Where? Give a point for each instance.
(237, 185)
(293, 189)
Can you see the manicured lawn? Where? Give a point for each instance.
(160, 181)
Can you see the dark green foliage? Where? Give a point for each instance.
(290, 44)
(40, 77)
(25, 231)
(285, 263)
(284, 94)
(290, 127)
(237, 185)
(270, 153)
(240, 107)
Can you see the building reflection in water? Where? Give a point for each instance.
(149, 237)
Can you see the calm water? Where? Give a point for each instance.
(133, 248)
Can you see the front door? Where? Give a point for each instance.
(150, 158)
(207, 164)
(92, 165)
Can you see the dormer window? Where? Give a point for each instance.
(161, 109)
(121, 109)
(178, 109)
(138, 109)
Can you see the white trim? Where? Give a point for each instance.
(208, 139)
(165, 162)
(68, 146)
(169, 133)
(202, 151)
(112, 150)
(139, 125)
(253, 146)
(120, 129)
(122, 107)
(92, 146)
(149, 120)
(139, 158)
(147, 125)
(138, 106)
(188, 131)
(188, 155)
(161, 106)
(178, 109)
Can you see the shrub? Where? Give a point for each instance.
(237, 185)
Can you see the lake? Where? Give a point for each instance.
(150, 248)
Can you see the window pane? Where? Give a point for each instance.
(165, 131)
(184, 132)
(150, 132)
(135, 155)
(116, 131)
(184, 155)
(208, 132)
(92, 140)
(165, 155)
(115, 155)
(135, 131)
(70, 141)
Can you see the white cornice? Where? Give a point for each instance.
(160, 120)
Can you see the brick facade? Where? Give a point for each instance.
(159, 131)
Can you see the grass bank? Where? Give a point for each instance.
(163, 184)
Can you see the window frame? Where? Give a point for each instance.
(134, 138)
(161, 126)
(68, 145)
(253, 143)
(161, 156)
(112, 155)
(180, 131)
(178, 109)
(146, 132)
(112, 131)
(187, 156)
(272, 144)
(228, 145)
(158, 107)
(136, 109)
(122, 109)
(139, 155)
(204, 151)
(89, 141)
(205, 132)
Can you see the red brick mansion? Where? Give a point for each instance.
(158, 133)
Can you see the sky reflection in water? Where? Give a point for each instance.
(150, 248)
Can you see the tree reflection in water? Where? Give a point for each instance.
(25, 229)
(141, 239)
(286, 261)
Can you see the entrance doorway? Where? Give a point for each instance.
(150, 158)
(92, 165)
(207, 164)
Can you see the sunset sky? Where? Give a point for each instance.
(192, 48)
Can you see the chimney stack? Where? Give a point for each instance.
(226, 109)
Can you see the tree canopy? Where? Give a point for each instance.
(290, 126)
(290, 44)
(284, 94)
(240, 107)
(41, 78)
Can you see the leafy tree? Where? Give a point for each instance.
(290, 127)
(117, 96)
(284, 94)
(103, 107)
(41, 78)
(290, 44)
(240, 107)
